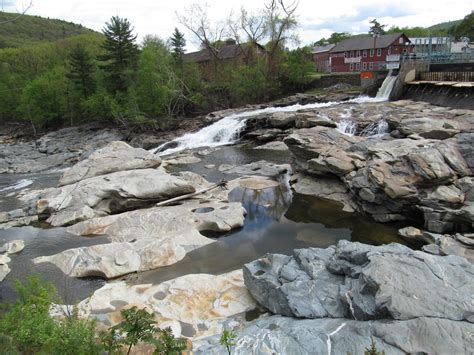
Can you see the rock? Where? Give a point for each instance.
(308, 121)
(261, 168)
(4, 259)
(145, 239)
(209, 166)
(194, 305)
(160, 222)
(327, 189)
(116, 259)
(13, 247)
(431, 249)
(362, 282)
(282, 119)
(430, 128)
(452, 246)
(115, 156)
(4, 271)
(182, 160)
(283, 335)
(276, 146)
(107, 194)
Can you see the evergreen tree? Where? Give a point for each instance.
(121, 53)
(376, 29)
(81, 71)
(178, 43)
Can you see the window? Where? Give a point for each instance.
(357, 66)
(352, 54)
(389, 50)
(371, 52)
(358, 53)
(371, 66)
(346, 54)
(400, 40)
(379, 52)
(364, 53)
(351, 66)
(364, 66)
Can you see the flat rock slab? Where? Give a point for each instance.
(363, 282)
(193, 305)
(111, 193)
(145, 239)
(115, 156)
(283, 335)
(261, 168)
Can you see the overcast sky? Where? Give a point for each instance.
(317, 18)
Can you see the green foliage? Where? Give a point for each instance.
(139, 326)
(28, 30)
(27, 326)
(167, 344)
(335, 38)
(81, 72)
(465, 28)
(373, 350)
(43, 100)
(416, 31)
(376, 29)
(298, 68)
(178, 43)
(227, 340)
(121, 54)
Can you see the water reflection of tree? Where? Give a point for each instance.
(271, 201)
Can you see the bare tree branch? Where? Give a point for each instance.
(25, 9)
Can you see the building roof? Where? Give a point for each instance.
(366, 42)
(225, 52)
(324, 48)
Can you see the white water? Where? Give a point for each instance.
(20, 184)
(347, 126)
(375, 129)
(384, 91)
(227, 130)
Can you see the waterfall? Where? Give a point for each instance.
(387, 86)
(226, 130)
(375, 129)
(346, 126)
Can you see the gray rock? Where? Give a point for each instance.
(276, 146)
(283, 335)
(4, 271)
(145, 239)
(363, 281)
(261, 168)
(116, 156)
(111, 193)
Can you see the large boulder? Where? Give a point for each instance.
(283, 335)
(193, 305)
(363, 282)
(145, 239)
(107, 194)
(115, 156)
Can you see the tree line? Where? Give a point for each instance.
(112, 78)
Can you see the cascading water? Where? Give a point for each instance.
(226, 130)
(375, 129)
(384, 92)
(346, 126)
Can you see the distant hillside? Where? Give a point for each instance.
(28, 30)
(443, 27)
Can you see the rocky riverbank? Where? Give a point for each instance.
(396, 162)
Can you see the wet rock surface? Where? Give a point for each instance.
(354, 294)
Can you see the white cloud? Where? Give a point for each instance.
(317, 18)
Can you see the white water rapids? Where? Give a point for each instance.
(227, 130)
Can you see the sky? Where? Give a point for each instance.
(316, 18)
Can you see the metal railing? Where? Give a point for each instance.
(447, 76)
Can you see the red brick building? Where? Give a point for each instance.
(322, 58)
(367, 53)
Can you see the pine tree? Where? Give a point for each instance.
(81, 71)
(178, 43)
(376, 29)
(121, 53)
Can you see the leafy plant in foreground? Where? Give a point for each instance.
(227, 339)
